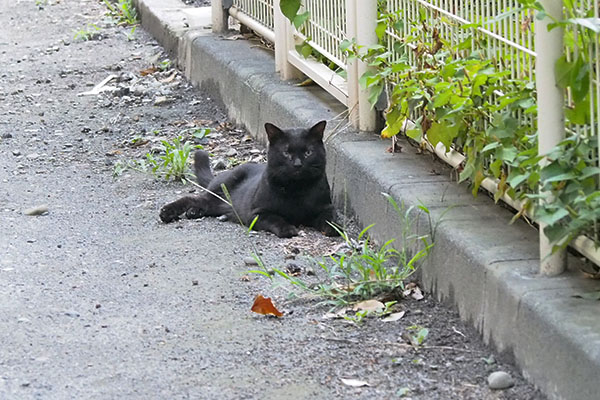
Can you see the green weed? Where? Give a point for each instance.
(164, 65)
(417, 335)
(366, 271)
(90, 32)
(174, 163)
(123, 12)
(171, 164)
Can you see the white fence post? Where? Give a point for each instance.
(284, 41)
(220, 15)
(365, 25)
(352, 67)
(551, 121)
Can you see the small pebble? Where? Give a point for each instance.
(220, 164)
(500, 380)
(250, 261)
(162, 100)
(70, 313)
(37, 210)
(16, 152)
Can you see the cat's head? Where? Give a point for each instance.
(296, 154)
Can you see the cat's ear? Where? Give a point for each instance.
(273, 132)
(317, 130)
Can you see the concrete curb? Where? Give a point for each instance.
(480, 264)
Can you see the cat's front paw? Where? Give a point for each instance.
(194, 213)
(286, 231)
(169, 213)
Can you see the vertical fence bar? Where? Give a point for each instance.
(365, 36)
(284, 41)
(352, 67)
(551, 121)
(220, 15)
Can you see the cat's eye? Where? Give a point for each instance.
(307, 153)
(287, 154)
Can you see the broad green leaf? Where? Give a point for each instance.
(507, 154)
(580, 113)
(589, 171)
(380, 29)
(290, 8)
(560, 177)
(414, 134)
(562, 72)
(491, 146)
(345, 45)
(495, 168)
(374, 94)
(589, 23)
(515, 179)
(442, 132)
(552, 218)
(301, 19)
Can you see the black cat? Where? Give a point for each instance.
(290, 190)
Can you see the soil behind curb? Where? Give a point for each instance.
(483, 266)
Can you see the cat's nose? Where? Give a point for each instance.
(297, 163)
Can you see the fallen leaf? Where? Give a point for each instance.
(306, 82)
(263, 305)
(148, 71)
(354, 382)
(170, 78)
(394, 316)
(234, 37)
(413, 291)
(369, 305)
(336, 315)
(417, 294)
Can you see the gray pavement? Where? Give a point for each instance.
(483, 266)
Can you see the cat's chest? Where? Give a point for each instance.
(296, 203)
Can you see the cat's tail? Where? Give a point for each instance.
(202, 168)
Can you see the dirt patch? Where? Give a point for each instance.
(101, 300)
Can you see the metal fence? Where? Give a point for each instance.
(326, 28)
(513, 42)
(260, 11)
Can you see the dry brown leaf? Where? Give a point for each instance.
(393, 317)
(148, 71)
(264, 305)
(354, 382)
(369, 305)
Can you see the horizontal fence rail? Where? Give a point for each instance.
(508, 39)
(260, 11)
